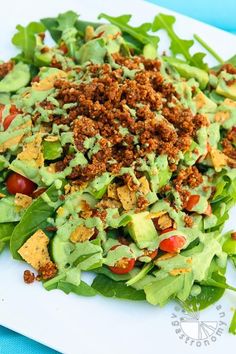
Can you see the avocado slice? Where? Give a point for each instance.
(188, 71)
(17, 78)
(142, 230)
(226, 90)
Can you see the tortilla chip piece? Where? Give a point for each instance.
(222, 116)
(127, 197)
(35, 251)
(22, 200)
(33, 151)
(219, 159)
(112, 191)
(144, 185)
(81, 234)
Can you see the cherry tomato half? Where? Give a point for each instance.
(7, 121)
(19, 184)
(173, 244)
(151, 254)
(123, 266)
(192, 201)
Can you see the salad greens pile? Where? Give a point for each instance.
(152, 229)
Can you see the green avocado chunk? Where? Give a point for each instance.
(142, 230)
(189, 72)
(17, 78)
(52, 150)
(224, 89)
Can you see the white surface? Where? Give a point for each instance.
(77, 325)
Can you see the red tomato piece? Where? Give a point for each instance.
(192, 201)
(19, 184)
(151, 254)
(123, 266)
(173, 244)
(7, 121)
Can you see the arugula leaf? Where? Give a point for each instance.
(50, 23)
(34, 218)
(208, 296)
(160, 291)
(110, 288)
(219, 281)
(198, 60)
(82, 289)
(25, 39)
(232, 327)
(116, 277)
(208, 48)
(178, 45)
(139, 34)
(66, 20)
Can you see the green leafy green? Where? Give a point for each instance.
(208, 296)
(161, 290)
(219, 281)
(110, 288)
(9, 211)
(178, 45)
(25, 39)
(232, 327)
(139, 34)
(82, 289)
(5, 233)
(35, 217)
(208, 48)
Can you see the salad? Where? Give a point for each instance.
(118, 160)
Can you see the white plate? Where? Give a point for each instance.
(73, 324)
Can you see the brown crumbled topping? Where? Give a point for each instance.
(55, 63)
(228, 144)
(142, 203)
(5, 68)
(229, 68)
(29, 277)
(110, 102)
(233, 236)
(48, 271)
(51, 228)
(188, 221)
(188, 177)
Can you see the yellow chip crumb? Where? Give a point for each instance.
(34, 251)
(22, 200)
(127, 197)
(144, 187)
(33, 151)
(179, 271)
(81, 234)
(112, 191)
